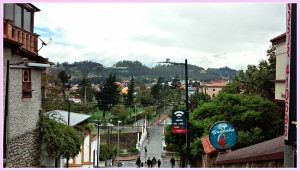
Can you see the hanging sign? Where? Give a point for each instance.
(222, 135)
(178, 121)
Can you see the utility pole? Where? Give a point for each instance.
(98, 142)
(187, 164)
(67, 165)
(187, 116)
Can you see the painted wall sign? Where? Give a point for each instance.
(290, 130)
(178, 121)
(222, 135)
(287, 72)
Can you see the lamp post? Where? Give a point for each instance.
(118, 139)
(67, 165)
(186, 108)
(98, 143)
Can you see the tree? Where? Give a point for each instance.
(64, 78)
(256, 119)
(86, 91)
(175, 82)
(51, 98)
(157, 92)
(256, 79)
(120, 112)
(109, 95)
(130, 97)
(57, 138)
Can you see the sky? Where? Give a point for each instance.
(209, 35)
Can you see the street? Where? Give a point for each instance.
(154, 149)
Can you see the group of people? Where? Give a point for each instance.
(150, 163)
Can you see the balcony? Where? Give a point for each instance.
(28, 40)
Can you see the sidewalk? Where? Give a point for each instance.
(159, 120)
(128, 158)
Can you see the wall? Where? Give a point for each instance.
(24, 151)
(23, 112)
(212, 90)
(280, 70)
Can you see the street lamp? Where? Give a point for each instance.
(186, 108)
(118, 139)
(98, 142)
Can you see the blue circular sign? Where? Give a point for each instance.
(222, 135)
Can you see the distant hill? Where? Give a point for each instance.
(97, 73)
(224, 72)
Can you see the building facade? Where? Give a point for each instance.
(213, 88)
(22, 86)
(280, 43)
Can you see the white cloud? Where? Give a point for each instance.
(208, 35)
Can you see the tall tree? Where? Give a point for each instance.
(64, 78)
(85, 90)
(109, 95)
(157, 92)
(175, 82)
(130, 97)
(256, 79)
(52, 99)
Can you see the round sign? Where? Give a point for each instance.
(222, 135)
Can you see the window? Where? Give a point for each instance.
(18, 16)
(213, 89)
(27, 20)
(21, 16)
(26, 83)
(9, 11)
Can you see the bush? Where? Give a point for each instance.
(132, 149)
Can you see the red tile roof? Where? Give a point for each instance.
(208, 148)
(216, 84)
(279, 38)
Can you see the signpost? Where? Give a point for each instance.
(178, 121)
(222, 136)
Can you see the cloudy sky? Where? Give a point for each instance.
(207, 34)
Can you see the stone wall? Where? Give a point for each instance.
(24, 151)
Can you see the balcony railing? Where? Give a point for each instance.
(28, 40)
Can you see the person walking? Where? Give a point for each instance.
(158, 163)
(138, 162)
(145, 149)
(153, 161)
(172, 162)
(149, 162)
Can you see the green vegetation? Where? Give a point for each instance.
(132, 150)
(246, 102)
(57, 138)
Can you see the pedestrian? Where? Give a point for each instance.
(138, 162)
(172, 162)
(142, 164)
(145, 149)
(158, 163)
(149, 162)
(153, 161)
